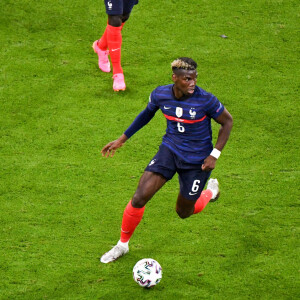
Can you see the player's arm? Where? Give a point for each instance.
(225, 120)
(140, 121)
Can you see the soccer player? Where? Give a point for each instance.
(186, 149)
(110, 43)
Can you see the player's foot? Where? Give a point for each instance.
(119, 82)
(103, 60)
(113, 254)
(213, 185)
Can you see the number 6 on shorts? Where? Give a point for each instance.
(195, 186)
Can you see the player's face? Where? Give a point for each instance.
(184, 82)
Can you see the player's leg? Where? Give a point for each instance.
(192, 199)
(114, 40)
(115, 21)
(184, 206)
(114, 10)
(211, 194)
(115, 27)
(160, 169)
(125, 17)
(127, 8)
(157, 173)
(100, 47)
(149, 184)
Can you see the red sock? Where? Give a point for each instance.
(131, 219)
(202, 201)
(102, 42)
(114, 40)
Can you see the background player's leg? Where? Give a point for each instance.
(102, 42)
(125, 17)
(114, 40)
(100, 47)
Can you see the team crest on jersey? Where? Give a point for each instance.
(192, 113)
(179, 112)
(109, 5)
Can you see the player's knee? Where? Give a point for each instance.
(139, 199)
(125, 17)
(115, 21)
(183, 214)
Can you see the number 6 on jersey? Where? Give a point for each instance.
(180, 127)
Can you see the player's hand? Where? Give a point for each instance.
(110, 148)
(209, 164)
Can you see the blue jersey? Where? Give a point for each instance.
(188, 132)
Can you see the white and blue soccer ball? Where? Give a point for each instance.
(147, 272)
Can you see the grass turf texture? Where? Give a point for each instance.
(61, 203)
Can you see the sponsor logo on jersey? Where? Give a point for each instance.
(167, 107)
(179, 112)
(192, 113)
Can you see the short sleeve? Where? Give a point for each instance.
(214, 107)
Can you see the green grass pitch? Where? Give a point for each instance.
(61, 203)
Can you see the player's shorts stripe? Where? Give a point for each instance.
(183, 120)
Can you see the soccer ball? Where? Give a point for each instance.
(147, 272)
